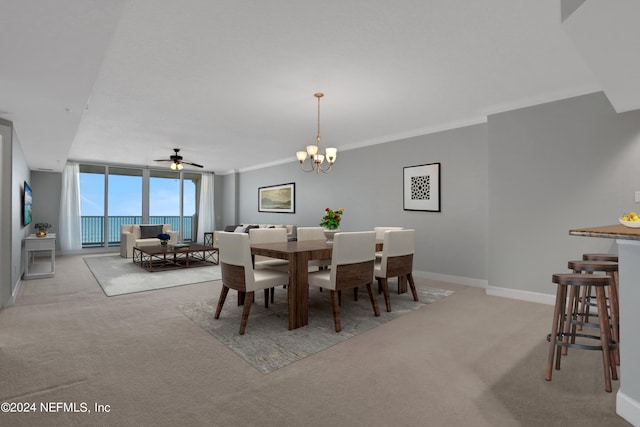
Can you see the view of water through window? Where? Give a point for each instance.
(125, 199)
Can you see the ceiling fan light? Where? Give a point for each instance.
(173, 166)
(180, 166)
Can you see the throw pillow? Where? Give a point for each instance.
(251, 227)
(240, 229)
(230, 228)
(150, 231)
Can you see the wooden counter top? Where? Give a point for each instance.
(617, 231)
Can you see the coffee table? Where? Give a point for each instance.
(160, 258)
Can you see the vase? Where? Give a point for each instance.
(41, 233)
(329, 234)
(164, 243)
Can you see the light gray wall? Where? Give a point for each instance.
(554, 167)
(47, 187)
(226, 200)
(19, 174)
(6, 213)
(367, 183)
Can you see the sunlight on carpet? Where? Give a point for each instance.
(268, 345)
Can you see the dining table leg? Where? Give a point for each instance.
(298, 290)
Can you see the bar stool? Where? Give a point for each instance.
(610, 268)
(563, 315)
(600, 257)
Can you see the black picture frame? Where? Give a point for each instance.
(27, 205)
(279, 198)
(421, 187)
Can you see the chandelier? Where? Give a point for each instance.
(315, 156)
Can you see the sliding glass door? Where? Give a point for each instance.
(124, 201)
(169, 205)
(112, 196)
(92, 205)
(164, 198)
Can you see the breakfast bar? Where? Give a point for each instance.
(628, 242)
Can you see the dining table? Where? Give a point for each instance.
(298, 253)
(628, 243)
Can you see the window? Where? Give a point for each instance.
(170, 198)
(164, 201)
(124, 200)
(92, 185)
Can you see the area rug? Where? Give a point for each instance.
(268, 345)
(120, 276)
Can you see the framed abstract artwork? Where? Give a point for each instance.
(277, 198)
(422, 187)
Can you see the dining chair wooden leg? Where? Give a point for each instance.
(266, 298)
(374, 300)
(383, 284)
(223, 296)
(336, 310)
(412, 285)
(248, 300)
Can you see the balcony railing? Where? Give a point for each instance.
(93, 228)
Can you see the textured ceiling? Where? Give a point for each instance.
(231, 83)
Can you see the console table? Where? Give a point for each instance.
(34, 269)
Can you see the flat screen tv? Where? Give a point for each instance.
(27, 207)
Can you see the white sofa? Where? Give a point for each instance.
(291, 229)
(143, 235)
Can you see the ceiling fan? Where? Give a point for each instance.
(176, 161)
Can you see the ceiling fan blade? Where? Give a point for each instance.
(163, 160)
(192, 164)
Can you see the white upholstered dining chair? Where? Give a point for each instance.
(352, 265)
(269, 235)
(314, 233)
(396, 261)
(380, 235)
(238, 273)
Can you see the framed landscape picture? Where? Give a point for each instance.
(277, 198)
(422, 187)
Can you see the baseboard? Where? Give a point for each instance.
(15, 293)
(490, 290)
(467, 281)
(521, 295)
(628, 408)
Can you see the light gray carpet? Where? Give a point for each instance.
(119, 276)
(268, 345)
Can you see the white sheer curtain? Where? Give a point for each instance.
(206, 212)
(70, 232)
